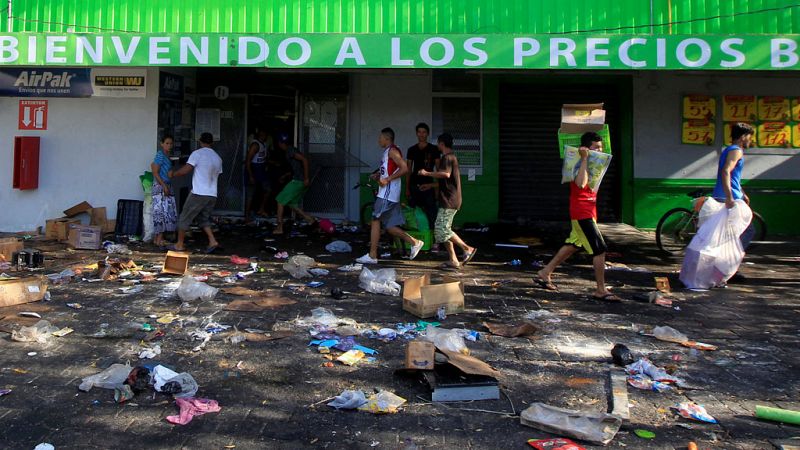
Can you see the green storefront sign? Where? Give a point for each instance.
(467, 51)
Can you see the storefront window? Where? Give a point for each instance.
(457, 110)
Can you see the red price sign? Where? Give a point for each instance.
(699, 107)
(773, 108)
(698, 132)
(774, 134)
(739, 108)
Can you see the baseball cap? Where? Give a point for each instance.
(206, 138)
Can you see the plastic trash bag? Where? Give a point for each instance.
(324, 317)
(111, 378)
(339, 247)
(348, 400)
(384, 402)
(669, 334)
(381, 281)
(645, 367)
(298, 266)
(180, 385)
(191, 289)
(446, 340)
(39, 332)
(594, 427)
(147, 217)
(716, 251)
(596, 165)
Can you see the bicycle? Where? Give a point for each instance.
(677, 227)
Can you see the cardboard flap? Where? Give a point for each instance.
(176, 263)
(581, 114)
(412, 287)
(447, 279)
(440, 293)
(470, 364)
(80, 208)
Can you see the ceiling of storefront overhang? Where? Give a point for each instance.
(406, 16)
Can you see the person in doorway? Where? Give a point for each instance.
(256, 165)
(292, 194)
(420, 190)
(165, 215)
(449, 176)
(585, 234)
(207, 166)
(728, 188)
(387, 208)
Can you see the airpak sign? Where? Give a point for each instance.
(45, 82)
(491, 51)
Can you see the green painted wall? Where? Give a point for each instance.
(776, 200)
(406, 16)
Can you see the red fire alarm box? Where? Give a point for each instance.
(26, 162)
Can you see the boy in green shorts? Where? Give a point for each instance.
(293, 192)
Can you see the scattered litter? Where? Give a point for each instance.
(348, 400)
(643, 382)
(381, 281)
(30, 314)
(554, 444)
(669, 334)
(597, 428)
(339, 247)
(645, 367)
(63, 332)
(4, 392)
(123, 394)
(539, 314)
(315, 284)
(778, 414)
(621, 355)
(699, 345)
(110, 378)
(644, 434)
(622, 267)
(167, 318)
(151, 352)
(282, 255)
(691, 410)
(317, 272)
(40, 332)
(384, 402)
(239, 261)
(351, 357)
(522, 329)
(192, 407)
(118, 249)
(32, 353)
(446, 340)
(169, 382)
(298, 266)
(355, 267)
(44, 446)
(191, 289)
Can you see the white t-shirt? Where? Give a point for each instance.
(207, 167)
(391, 191)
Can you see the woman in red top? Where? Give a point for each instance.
(585, 234)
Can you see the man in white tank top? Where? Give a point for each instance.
(387, 208)
(256, 165)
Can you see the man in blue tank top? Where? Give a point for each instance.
(731, 162)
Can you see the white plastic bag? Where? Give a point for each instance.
(715, 253)
(163, 375)
(40, 332)
(191, 289)
(349, 400)
(298, 266)
(596, 166)
(110, 378)
(147, 217)
(339, 247)
(594, 427)
(669, 334)
(381, 281)
(447, 340)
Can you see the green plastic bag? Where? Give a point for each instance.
(147, 181)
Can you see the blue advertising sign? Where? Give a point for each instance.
(171, 86)
(45, 82)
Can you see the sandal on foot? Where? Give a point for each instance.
(449, 266)
(544, 284)
(607, 298)
(468, 257)
(211, 249)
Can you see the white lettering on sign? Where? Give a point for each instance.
(156, 48)
(661, 52)
(556, 51)
(727, 48)
(305, 51)
(223, 50)
(53, 45)
(625, 57)
(783, 53)
(470, 47)
(350, 50)
(34, 79)
(84, 48)
(525, 47)
(125, 56)
(32, 49)
(396, 61)
(244, 50)
(200, 54)
(593, 51)
(8, 49)
(425, 51)
(705, 52)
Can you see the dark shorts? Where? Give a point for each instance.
(260, 176)
(587, 236)
(199, 207)
(389, 213)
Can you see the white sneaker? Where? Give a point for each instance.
(415, 249)
(366, 259)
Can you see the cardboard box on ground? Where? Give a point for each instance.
(423, 299)
(420, 355)
(59, 228)
(9, 246)
(87, 237)
(176, 263)
(22, 290)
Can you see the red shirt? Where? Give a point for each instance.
(582, 203)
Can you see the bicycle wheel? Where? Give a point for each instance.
(366, 213)
(760, 226)
(675, 230)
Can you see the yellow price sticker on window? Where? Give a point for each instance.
(796, 109)
(774, 134)
(773, 108)
(699, 107)
(739, 108)
(796, 135)
(698, 132)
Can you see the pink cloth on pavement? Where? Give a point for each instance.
(191, 407)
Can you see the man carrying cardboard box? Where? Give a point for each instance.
(585, 234)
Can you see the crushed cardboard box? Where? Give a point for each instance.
(110, 268)
(423, 299)
(80, 208)
(17, 291)
(176, 263)
(580, 118)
